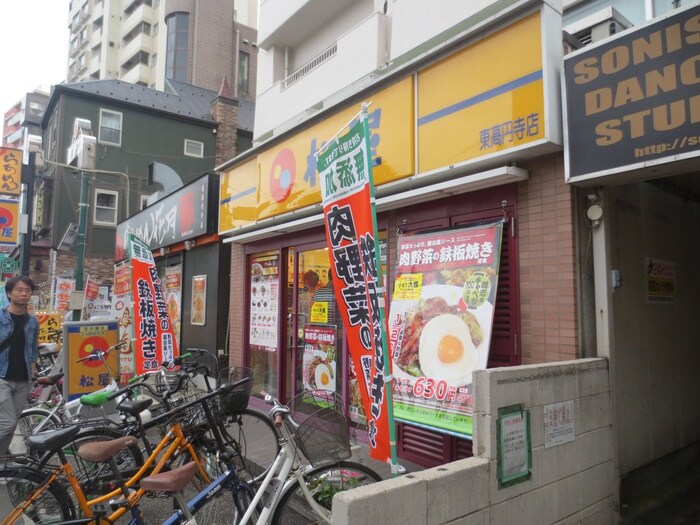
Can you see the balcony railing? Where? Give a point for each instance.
(310, 66)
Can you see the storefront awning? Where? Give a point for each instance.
(406, 192)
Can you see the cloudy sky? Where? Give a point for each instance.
(34, 47)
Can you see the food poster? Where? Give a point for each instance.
(440, 323)
(173, 295)
(345, 173)
(320, 369)
(122, 308)
(50, 327)
(83, 338)
(199, 300)
(660, 280)
(264, 291)
(153, 332)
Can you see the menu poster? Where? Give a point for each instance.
(173, 296)
(264, 291)
(440, 323)
(199, 300)
(320, 344)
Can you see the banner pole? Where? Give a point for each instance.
(396, 469)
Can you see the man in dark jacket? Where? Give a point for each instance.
(19, 348)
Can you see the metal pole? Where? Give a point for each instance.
(82, 225)
(28, 174)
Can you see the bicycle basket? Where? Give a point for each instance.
(322, 431)
(237, 399)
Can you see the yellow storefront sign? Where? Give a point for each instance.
(284, 177)
(484, 99)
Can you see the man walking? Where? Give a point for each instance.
(19, 348)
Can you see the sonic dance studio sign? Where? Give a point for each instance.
(633, 101)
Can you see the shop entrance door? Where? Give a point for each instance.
(314, 331)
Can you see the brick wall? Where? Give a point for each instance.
(547, 263)
(225, 112)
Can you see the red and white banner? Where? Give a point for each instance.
(153, 332)
(345, 171)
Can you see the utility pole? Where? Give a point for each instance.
(28, 175)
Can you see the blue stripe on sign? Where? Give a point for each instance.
(481, 97)
(239, 195)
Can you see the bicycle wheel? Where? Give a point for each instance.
(243, 495)
(323, 483)
(51, 504)
(255, 437)
(29, 420)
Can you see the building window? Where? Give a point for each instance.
(243, 72)
(106, 203)
(177, 46)
(143, 202)
(110, 127)
(194, 148)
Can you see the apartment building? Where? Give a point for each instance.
(146, 42)
(22, 122)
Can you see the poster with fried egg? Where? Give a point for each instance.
(440, 323)
(319, 358)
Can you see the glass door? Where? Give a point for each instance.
(314, 331)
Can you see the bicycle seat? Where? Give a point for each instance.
(101, 451)
(134, 408)
(170, 481)
(52, 439)
(49, 380)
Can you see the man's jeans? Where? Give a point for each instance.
(13, 398)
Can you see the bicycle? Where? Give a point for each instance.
(300, 492)
(35, 418)
(41, 497)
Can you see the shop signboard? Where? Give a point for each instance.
(10, 171)
(180, 216)
(345, 172)
(440, 323)
(286, 176)
(9, 223)
(82, 338)
(153, 332)
(631, 103)
(64, 287)
(50, 327)
(92, 291)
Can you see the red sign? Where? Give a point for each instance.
(153, 331)
(346, 178)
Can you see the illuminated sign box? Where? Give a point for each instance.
(632, 101)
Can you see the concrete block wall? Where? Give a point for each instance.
(570, 483)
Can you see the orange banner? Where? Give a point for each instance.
(345, 173)
(153, 331)
(9, 221)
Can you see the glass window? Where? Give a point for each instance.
(177, 46)
(110, 127)
(194, 148)
(243, 72)
(106, 203)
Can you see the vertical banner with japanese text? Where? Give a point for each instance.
(92, 291)
(153, 332)
(345, 172)
(122, 309)
(50, 327)
(64, 288)
(10, 171)
(440, 323)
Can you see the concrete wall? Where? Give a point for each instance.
(570, 483)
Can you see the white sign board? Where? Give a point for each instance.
(558, 424)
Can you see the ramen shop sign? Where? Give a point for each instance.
(635, 99)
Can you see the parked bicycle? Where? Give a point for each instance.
(298, 492)
(41, 496)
